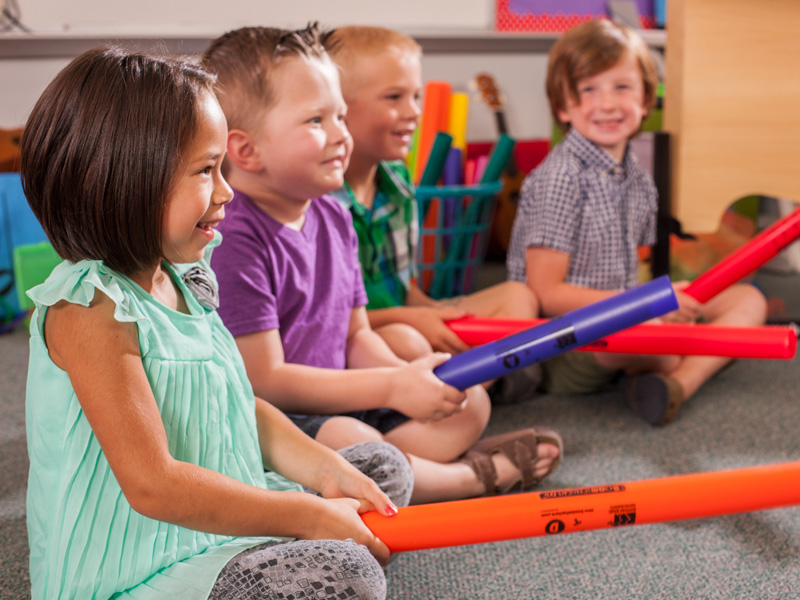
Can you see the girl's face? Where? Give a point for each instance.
(610, 106)
(303, 143)
(384, 111)
(195, 203)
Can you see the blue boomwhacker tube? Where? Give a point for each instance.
(572, 330)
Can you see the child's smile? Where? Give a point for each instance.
(199, 194)
(387, 107)
(610, 106)
(303, 144)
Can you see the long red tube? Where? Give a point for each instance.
(746, 259)
(683, 340)
(581, 509)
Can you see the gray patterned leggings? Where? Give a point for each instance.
(306, 569)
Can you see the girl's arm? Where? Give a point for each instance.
(102, 358)
(412, 389)
(546, 274)
(288, 451)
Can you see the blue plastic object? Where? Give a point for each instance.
(18, 227)
(458, 235)
(572, 330)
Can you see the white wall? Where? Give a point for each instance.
(151, 17)
(520, 76)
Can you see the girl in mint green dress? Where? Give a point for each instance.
(147, 447)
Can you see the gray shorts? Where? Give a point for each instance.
(382, 419)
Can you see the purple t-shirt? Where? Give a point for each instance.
(304, 283)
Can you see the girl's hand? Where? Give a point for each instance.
(339, 479)
(430, 322)
(689, 309)
(421, 395)
(338, 519)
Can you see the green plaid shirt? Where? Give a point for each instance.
(387, 235)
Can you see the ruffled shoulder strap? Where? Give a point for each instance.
(77, 283)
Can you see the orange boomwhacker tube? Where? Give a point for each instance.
(746, 259)
(533, 514)
(683, 340)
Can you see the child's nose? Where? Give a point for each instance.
(607, 99)
(223, 193)
(413, 110)
(339, 132)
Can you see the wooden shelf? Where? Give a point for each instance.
(26, 46)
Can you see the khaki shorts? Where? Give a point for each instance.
(575, 373)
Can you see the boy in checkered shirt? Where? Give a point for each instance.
(588, 207)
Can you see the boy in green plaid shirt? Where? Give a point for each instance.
(381, 82)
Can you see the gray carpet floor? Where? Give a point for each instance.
(748, 415)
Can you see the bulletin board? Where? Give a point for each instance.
(549, 16)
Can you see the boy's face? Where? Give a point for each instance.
(383, 105)
(610, 106)
(303, 143)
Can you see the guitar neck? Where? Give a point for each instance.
(500, 117)
(511, 167)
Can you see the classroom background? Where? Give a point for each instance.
(746, 416)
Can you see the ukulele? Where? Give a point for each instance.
(500, 231)
(9, 149)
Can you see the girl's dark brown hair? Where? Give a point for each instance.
(589, 49)
(100, 150)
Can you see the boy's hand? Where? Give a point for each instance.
(430, 322)
(421, 395)
(689, 309)
(338, 519)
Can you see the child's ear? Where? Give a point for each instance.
(563, 116)
(242, 152)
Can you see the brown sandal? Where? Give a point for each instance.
(520, 448)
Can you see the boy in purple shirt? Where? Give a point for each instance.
(291, 290)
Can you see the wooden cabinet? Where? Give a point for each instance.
(732, 104)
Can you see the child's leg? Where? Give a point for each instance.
(739, 305)
(302, 569)
(385, 465)
(507, 300)
(405, 341)
(438, 480)
(446, 439)
(658, 396)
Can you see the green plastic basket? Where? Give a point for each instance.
(454, 231)
(33, 263)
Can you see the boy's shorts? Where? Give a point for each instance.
(382, 419)
(576, 373)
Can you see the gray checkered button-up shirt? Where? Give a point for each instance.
(582, 202)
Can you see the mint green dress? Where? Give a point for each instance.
(85, 540)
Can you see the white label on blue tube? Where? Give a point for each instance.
(520, 354)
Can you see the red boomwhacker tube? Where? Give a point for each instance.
(665, 338)
(516, 516)
(746, 259)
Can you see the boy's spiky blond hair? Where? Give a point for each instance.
(350, 43)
